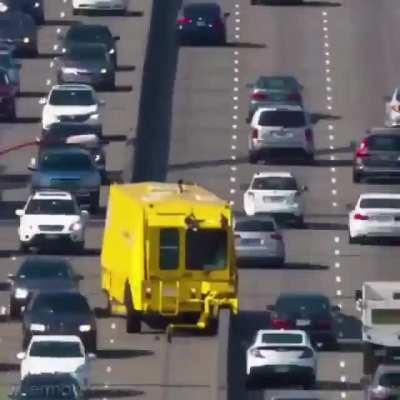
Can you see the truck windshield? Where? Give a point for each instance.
(385, 316)
(206, 249)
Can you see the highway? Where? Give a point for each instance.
(345, 54)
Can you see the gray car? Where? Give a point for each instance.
(258, 239)
(39, 274)
(378, 155)
(67, 168)
(384, 385)
(87, 63)
(275, 89)
(12, 66)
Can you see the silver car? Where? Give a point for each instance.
(281, 128)
(385, 384)
(258, 239)
(12, 66)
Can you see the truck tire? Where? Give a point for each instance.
(370, 362)
(133, 320)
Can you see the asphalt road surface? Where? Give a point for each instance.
(345, 54)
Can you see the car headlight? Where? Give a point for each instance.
(26, 40)
(76, 226)
(37, 327)
(112, 51)
(95, 116)
(103, 70)
(21, 293)
(85, 328)
(68, 70)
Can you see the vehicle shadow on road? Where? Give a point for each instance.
(316, 117)
(245, 45)
(305, 4)
(9, 367)
(286, 266)
(113, 393)
(109, 354)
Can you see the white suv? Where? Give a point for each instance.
(283, 127)
(72, 104)
(50, 217)
(277, 194)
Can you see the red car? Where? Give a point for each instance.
(8, 93)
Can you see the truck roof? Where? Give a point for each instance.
(378, 291)
(154, 192)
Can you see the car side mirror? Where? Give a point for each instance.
(304, 188)
(117, 37)
(19, 213)
(357, 295)
(21, 355)
(270, 307)
(102, 102)
(32, 164)
(85, 213)
(42, 101)
(227, 14)
(91, 356)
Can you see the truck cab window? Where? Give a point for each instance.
(169, 248)
(206, 249)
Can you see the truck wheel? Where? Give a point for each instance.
(24, 247)
(370, 362)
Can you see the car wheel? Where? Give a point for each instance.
(299, 223)
(309, 383)
(332, 345)
(356, 177)
(79, 247)
(75, 11)
(280, 262)
(15, 309)
(24, 247)
(110, 85)
(253, 157)
(94, 202)
(309, 158)
(352, 240)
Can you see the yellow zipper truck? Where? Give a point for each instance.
(168, 251)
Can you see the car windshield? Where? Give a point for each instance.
(390, 380)
(96, 53)
(380, 203)
(43, 270)
(72, 98)
(89, 34)
(65, 162)
(274, 183)
(254, 226)
(301, 304)
(58, 207)
(195, 11)
(281, 84)
(286, 119)
(55, 349)
(206, 249)
(383, 142)
(284, 338)
(61, 304)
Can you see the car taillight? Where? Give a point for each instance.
(307, 353)
(259, 96)
(362, 150)
(254, 134)
(309, 135)
(324, 324)
(183, 21)
(360, 217)
(256, 353)
(294, 97)
(396, 108)
(280, 323)
(276, 236)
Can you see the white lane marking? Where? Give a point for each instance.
(233, 157)
(332, 137)
(327, 62)
(338, 292)
(342, 364)
(58, 30)
(337, 264)
(232, 191)
(234, 126)
(328, 88)
(13, 258)
(331, 147)
(233, 168)
(231, 202)
(113, 325)
(324, 13)
(328, 98)
(48, 82)
(234, 117)
(334, 192)
(329, 107)
(333, 169)
(343, 395)
(337, 252)
(332, 158)
(235, 89)
(330, 127)
(62, 14)
(334, 204)
(233, 147)
(337, 239)
(327, 70)
(234, 137)
(109, 369)
(338, 279)
(233, 179)
(111, 341)
(235, 98)
(325, 28)
(343, 378)
(55, 47)
(333, 180)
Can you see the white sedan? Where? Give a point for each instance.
(99, 5)
(375, 215)
(57, 354)
(278, 354)
(277, 194)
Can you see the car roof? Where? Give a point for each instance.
(201, 5)
(277, 174)
(280, 107)
(41, 195)
(379, 196)
(56, 338)
(72, 86)
(88, 27)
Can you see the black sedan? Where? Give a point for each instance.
(60, 313)
(88, 64)
(40, 274)
(18, 31)
(60, 386)
(310, 312)
(35, 8)
(91, 34)
(201, 23)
